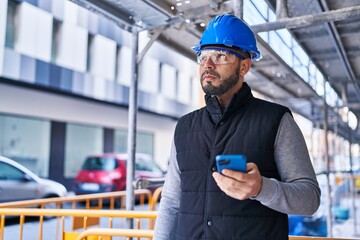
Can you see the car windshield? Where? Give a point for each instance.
(100, 163)
(146, 165)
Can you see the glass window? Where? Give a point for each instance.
(90, 54)
(120, 141)
(275, 42)
(330, 95)
(251, 15)
(257, 12)
(287, 55)
(299, 52)
(285, 36)
(272, 16)
(144, 142)
(302, 71)
(319, 84)
(262, 7)
(264, 36)
(8, 172)
(147, 165)
(81, 141)
(312, 69)
(10, 24)
(26, 141)
(55, 40)
(100, 163)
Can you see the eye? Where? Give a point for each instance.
(221, 56)
(202, 58)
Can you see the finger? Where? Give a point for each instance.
(223, 182)
(216, 175)
(251, 167)
(238, 176)
(229, 186)
(220, 179)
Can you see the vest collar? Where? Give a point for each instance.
(239, 99)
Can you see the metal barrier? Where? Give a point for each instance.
(112, 197)
(91, 202)
(88, 199)
(65, 234)
(116, 233)
(84, 220)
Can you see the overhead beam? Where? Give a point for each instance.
(335, 38)
(284, 65)
(238, 6)
(102, 8)
(355, 106)
(185, 51)
(281, 9)
(162, 6)
(307, 20)
(153, 38)
(213, 4)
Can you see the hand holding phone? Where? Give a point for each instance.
(234, 162)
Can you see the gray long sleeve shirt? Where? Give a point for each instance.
(297, 193)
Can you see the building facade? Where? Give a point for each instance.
(65, 74)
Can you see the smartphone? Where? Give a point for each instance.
(236, 162)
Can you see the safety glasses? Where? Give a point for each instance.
(218, 56)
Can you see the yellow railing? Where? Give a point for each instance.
(105, 232)
(86, 214)
(100, 198)
(84, 220)
(81, 218)
(97, 233)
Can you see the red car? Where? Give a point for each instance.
(107, 172)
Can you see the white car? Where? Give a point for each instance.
(19, 183)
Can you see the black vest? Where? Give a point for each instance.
(248, 126)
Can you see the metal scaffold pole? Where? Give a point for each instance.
(132, 117)
(238, 6)
(352, 185)
(131, 141)
(327, 161)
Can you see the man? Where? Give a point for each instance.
(200, 203)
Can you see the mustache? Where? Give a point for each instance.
(210, 72)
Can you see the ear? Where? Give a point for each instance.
(245, 66)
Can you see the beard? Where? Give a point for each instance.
(224, 86)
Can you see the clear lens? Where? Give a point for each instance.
(217, 57)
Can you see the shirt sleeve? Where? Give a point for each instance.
(170, 200)
(298, 191)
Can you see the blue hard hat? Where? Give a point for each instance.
(230, 31)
